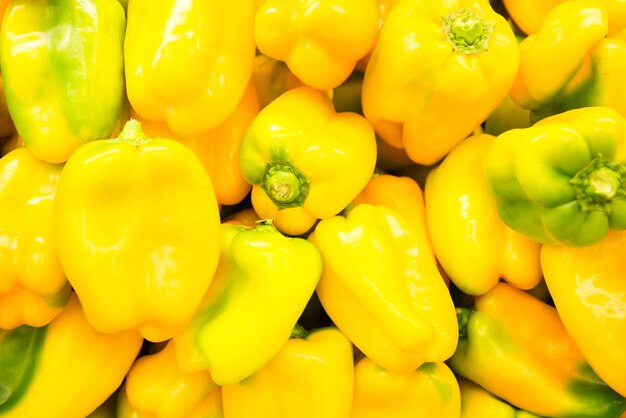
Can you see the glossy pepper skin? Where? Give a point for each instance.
(430, 391)
(563, 180)
(530, 15)
(381, 286)
(401, 194)
(33, 288)
(570, 63)
(188, 63)
(63, 68)
(321, 40)
(516, 347)
(587, 286)
(305, 161)
(136, 222)
(218, 148)
(35, 360)
(254, 299)
(476, 402)
(312, 376)
(427, 94)
(155, 387)
(472, 243)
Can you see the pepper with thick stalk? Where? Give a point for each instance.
(306, 161)
(136, 221)
(438, 70)
(563, 180)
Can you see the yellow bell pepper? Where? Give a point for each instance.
(516, 347)
(428, 392)
(530, 15)
(272, 78)
(136, 223)
(472, 243)
(33, 288)
(570, 63)
(155, 387)
(320, 41)
(218, 148)
(63, 370)
(262, 284)
(188, 63)
(476, 402)
(437, 72)
(311, 377)
(401, 194)
(380, 285)
(305, 161)
(588, 287)
(383, 8)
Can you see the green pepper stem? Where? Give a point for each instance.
(467, 31)
(132, 134)
(299, 332)
(285, 185)
(462, 316)
(596, 184)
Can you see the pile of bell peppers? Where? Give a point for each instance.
(313, 208)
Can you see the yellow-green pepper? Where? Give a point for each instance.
(188, 63)
(516, 347)
(530, 15)
(474, 246)
(438, 70)
(312, 376)
(33, 288)
(136, 227)
(476, 402)
(262, 284)
(63, 68)
(320, 42)
(430, 391)
(563, 180)
(155, 387)
(380, 285)
(570, 63)
(588, 287)
(305, 161)
(65, 369)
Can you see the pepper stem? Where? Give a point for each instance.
(285, 185)
(132, 133)
(598, 183)
(467, 31)
(463, 316)
(299, 332)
